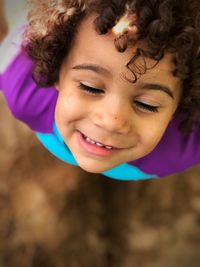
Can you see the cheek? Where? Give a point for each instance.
(63, 111)
(152, 133)
(65, 115)
(69, 107)
(152, 137)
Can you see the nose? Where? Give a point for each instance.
(114, 118)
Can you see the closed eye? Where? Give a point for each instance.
(146, 107)
(89, 89)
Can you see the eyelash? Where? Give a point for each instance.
(146, 107)
(139, 105)
(91, 90)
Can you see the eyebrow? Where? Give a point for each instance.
(159, 87)
(92, 67)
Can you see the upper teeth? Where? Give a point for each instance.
(90, 140)
(96, 143)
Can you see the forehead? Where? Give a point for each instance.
(90, 47)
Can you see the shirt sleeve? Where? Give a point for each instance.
(28, 103)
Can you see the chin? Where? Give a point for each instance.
(93, 168)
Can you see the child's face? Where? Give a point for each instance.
(97, 102)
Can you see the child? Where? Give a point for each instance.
(123, 84)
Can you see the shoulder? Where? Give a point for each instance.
(27, 102)
(175, 152)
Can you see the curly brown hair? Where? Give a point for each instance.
(165, 25)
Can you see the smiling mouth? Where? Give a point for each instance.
(94, 147)
(91, 141)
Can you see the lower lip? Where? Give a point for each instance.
(94, 149)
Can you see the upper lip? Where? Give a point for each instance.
(100, 142)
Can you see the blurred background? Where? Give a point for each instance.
(56, 215)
